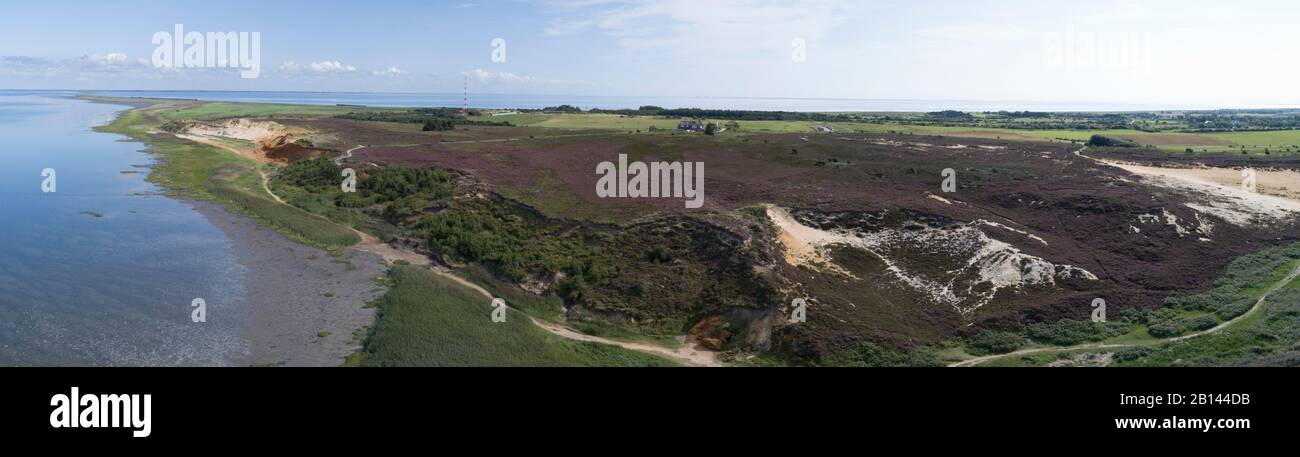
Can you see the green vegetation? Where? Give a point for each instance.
(438, 125)
(426, 320)
(868, 354)
(1069, 332)
(1271, 339)
(1105, 141)
(1267, 338)
(433, 119)
(994, 342)
(513, 243)
(209, 173)
(390, 194)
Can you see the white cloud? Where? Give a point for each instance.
(391, 71)
(290, 67)
(328, 66)
(485, 76)
(112, 58)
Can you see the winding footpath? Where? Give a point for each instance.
(1259, 306)
(685, 354)
(338, 161)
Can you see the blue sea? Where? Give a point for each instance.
(80, 289)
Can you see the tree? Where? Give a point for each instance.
(711, 129)
(433, 125)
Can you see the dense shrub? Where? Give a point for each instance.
(1132, 353)
(1105, 141)
(868, 354)
(994, 342)
(391, 183)
(316, 175)
(1068, 332)
(438, 125)
(494, 235)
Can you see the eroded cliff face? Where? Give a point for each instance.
(261, 140)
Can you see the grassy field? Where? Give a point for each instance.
(1254, 143)
(427, 320)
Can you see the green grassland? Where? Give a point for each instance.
(427, 320)
(1253, 142)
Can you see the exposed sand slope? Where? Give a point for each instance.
(1218, 191)
(980, 265)
(267, 141)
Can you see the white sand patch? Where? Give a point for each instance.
(1172, 220)
(803, 244)
(1217, 191)
(1022, 232)
(936, 197)
(1202, 226)
(242, 129)
(981, 266)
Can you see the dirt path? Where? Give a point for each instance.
(686, 354)
(1259, 305)
(338, 161)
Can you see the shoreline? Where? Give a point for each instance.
(303, 306)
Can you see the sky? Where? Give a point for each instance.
(1183, 52)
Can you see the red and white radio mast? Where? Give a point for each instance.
(465, 108)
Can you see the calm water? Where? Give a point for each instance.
(603, 102)
(81, 290)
